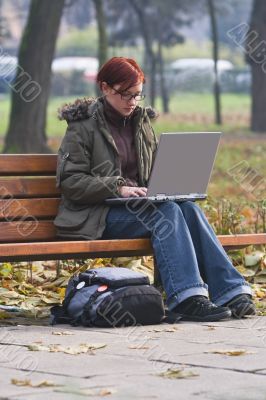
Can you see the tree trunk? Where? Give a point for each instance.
(30, 90)
(144, 29)
(152, 74)
(216, 86)
(102, 35)
(256, 57)
(164, 93)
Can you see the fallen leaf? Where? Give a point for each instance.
(173, 329)
(61, 292)
(232, 352)
(6, 270)
(252, 259)
(178, 373)
(62, 333)
(38, 347)
(73, 350)
(140, 347)
(86, 392)
(27, 382)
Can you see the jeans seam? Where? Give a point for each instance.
(167, 262)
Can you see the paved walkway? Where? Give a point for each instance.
(131, 363)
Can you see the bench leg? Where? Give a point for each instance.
(156, 274)
(58, 268)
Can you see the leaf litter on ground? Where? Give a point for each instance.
(31, 289)
(28, 382)
(73, 350)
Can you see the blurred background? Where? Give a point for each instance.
(205, 63)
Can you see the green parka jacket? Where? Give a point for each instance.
(88, 167)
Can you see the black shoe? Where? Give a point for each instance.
(200, 308)
(241, 306)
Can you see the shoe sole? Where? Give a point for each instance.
(209, 318)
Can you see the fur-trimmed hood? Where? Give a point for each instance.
(84, 108)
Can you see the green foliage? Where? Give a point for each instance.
(229, 217)
(77, 42)
(192, 49)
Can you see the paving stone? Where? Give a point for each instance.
(133, 372)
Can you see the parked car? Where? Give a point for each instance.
(8, 67)
(64, 64)
(196, 74)
(74, 76)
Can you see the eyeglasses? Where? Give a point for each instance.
(128, 97)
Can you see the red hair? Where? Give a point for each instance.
(121, 70)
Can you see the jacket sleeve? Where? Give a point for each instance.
(75, 177)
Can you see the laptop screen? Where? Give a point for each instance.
(183, 163)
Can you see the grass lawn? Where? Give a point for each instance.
(188, 111)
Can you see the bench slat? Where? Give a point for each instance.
(101, 248)
(27, 164)
(11, 209)
(73, 249)
(243, 240)
(28, 187)
(27, 231)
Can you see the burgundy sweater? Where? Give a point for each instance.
(121, 129)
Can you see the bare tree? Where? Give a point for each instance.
(30, 90)
(216, 86)
(158, 24)
(102, 34)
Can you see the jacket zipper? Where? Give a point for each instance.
(61, 169)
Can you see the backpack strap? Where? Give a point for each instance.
(85, 317)
(59, 314)
(171, 317)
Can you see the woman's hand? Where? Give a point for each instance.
(132, 191)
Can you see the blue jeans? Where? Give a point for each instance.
(189, 256)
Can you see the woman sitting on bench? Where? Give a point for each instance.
(108, 151)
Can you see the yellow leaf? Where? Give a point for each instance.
(85, 392)
(61, 292)
(6, 270)
(178, 373)
(73, 350)
(45, 384)
(27, 382)
(17, 382)
(232, 352)
(62, 333)
(173, 329)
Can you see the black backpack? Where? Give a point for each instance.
(110, 297)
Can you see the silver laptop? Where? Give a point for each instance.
(182, 168)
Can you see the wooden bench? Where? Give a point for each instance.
(28, 204)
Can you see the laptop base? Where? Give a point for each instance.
(155, 199)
